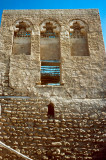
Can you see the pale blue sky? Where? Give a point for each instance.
(58, 4)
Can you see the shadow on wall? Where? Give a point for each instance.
(101, 155)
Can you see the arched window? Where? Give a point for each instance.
(51, 110)
(22, 38)
(50, 53)
(78, 38)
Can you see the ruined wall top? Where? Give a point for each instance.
(58, 11)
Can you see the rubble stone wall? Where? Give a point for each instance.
(76, 132)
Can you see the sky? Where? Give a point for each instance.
(58, 4)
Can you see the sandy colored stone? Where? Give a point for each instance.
(76, 130)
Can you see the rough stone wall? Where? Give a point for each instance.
(104, 77)
(82, 76)
(77, 130)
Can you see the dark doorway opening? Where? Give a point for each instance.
(51, 110)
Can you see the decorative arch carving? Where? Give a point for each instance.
(78, 23)
(26, 24)
(49, 28)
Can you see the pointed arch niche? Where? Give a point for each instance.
(22, 38)
(50, 53)
(78, 38)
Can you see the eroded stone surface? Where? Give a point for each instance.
(76, 128)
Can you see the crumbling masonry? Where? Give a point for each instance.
(52, 84)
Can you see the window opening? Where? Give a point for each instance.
(22, 39)
(50, 110)
(50, 72)
(50, 54)
(78, 39)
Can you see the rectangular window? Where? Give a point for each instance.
(50, 53)
(50, 72)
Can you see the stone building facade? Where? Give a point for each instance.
(52, 84)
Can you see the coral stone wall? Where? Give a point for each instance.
(76, 129)
(76, 132)
(81, 68)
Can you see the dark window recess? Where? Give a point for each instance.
(50, 72)
(51, 110)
